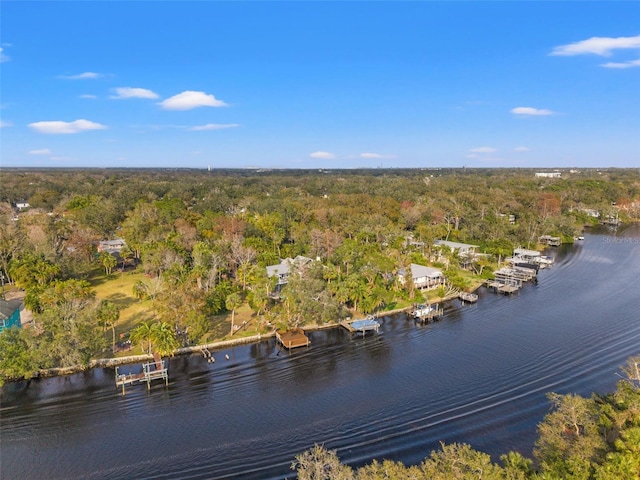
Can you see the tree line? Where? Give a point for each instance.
(203, 241)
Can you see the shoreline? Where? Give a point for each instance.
(218, 345)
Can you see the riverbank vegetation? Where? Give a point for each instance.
(196, 244)
(595, 438)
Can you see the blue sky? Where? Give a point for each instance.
(320, 84)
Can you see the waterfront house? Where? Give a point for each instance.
(463, 249)
(466, 252)
(285, 267)
(422, 277)
(10, 314)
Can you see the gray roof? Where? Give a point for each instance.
(7, 308)
(281, 269)
(455, 245)
(526, 253)
(419, 271)
(284, 267)
(118, 242)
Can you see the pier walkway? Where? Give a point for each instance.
(150, 371)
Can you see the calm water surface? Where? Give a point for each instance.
(478, 376)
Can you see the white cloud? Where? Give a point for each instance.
(323, 155)
(190, 99)
(129, 92)
(521, 149)
(87, 95)
(629, 64)
(60, 127)
(213, 126)
(82, 76)
(4, 124)
(483, 150)
(3, 57)
(531, 111)
(40, 151)
(371, 155)
(597, 46)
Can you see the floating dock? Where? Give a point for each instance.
(150, 371)
(292, 338)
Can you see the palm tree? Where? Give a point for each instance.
(140, 290)
(164, 339)
(232, 303)
(157, 338)
(108, 261)
(108, 313)
(143, 335)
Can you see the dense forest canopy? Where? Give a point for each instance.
(200, 242)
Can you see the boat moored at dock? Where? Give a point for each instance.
(427, 312)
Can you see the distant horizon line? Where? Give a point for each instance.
(319, 169)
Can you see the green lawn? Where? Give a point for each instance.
(118, 288)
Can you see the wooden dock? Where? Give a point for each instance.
(510, 279)
(515, 275)
(150, 371)
(347, 326)
(500, 287)
(549, 240)
(468, 297)
(292, 338)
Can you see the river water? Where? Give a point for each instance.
(478, 376)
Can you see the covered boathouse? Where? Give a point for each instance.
(292, 338)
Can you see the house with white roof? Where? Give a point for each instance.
(422, 277)
(463, 249)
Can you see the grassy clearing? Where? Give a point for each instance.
(118, 288)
